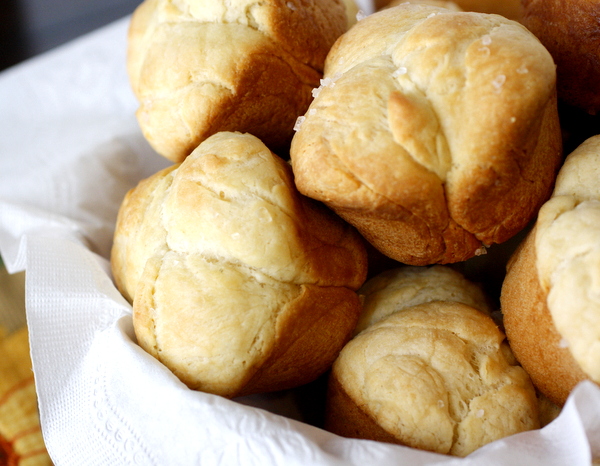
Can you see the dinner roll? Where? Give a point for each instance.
(434, 132)
(569, 30)
(551, 295)
(239, 285)
(398, 288)
(200, 67)
(437, 376)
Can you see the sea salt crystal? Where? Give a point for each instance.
(522, 70)
(299, 122)
(441, 403)
(486, 40)
(479, 413)
(312, 111)
(481, 251)
(360, 15)
(327, 82)
(291, 6)
(499, 81)
(485, 50)
(235, 235)
(400, 71)
(431, 15)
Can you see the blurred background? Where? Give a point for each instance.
(31, 27)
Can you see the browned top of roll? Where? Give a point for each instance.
(433, 131)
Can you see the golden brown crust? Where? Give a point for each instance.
(408, 238)
(399, 146)
(570, 31)
(530, 329)
(344, 417)
(498, 200)
(239, 284)
(227, 66)
(550, 291)
(307, 342)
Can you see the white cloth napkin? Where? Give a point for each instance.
(69, 150)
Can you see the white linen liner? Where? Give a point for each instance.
(69, 150)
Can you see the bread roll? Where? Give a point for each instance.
(239, 284)
(550, 297)
(201, 67)
(569, 30)
(434, 132)
(437, 376)
(400, 288)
